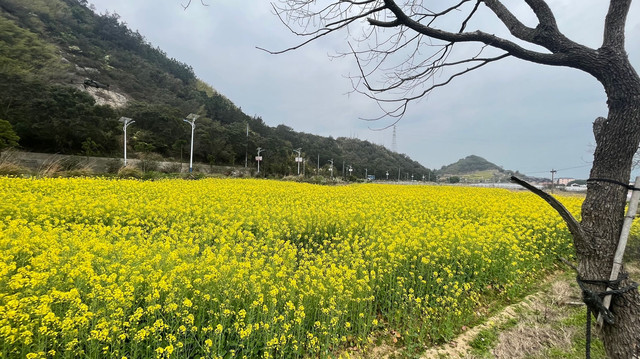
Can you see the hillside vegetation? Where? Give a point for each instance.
(477, 169)
(469, 164)
(67, 75)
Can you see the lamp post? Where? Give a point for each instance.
(298, 158)
(191, 119)
(126, 121)
(259, 158)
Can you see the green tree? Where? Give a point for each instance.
(90, 147)
(8, 137)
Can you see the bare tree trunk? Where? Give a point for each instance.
(603, 210)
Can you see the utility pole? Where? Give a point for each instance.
(553, 184)
(318, 165)
(126, 121)
(191, 119)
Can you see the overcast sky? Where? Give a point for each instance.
(519, 115)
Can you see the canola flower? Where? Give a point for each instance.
(222, 268)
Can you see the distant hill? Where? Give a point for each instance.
(469, 165)
(67, 75)
(477, 169)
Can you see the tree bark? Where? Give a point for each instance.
(617, 138)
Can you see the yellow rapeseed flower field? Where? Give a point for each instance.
(249, 268)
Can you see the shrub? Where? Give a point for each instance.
(130, 172)
(172, 167)
(113, 165)
(149, 162)
(12, 169)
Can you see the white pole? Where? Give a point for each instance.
(298, 158)
(622, 243)
(126, 121)
(258, 158)
(125, 145)
(193, 129)
(191, 119)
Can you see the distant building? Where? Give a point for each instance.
(564, 181)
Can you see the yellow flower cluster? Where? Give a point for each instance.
(255, 269)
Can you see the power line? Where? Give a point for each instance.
(559, 170)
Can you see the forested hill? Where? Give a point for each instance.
(469, 164)
(67, 75)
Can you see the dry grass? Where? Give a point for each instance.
(542, 325)
(522, 329)
(538, 327)
(9, 166)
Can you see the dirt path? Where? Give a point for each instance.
(547, 324)
(523, 329)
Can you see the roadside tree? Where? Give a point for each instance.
(8, 137)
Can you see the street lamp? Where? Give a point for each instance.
(191, 119)
(126, 121)
(298, 158)
(259, 158)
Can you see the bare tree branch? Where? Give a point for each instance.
(614, 24)
(515, 26)
(189, 3)
(466, 21)
(325, 30)
(574, 227)
(410, 44)
(543, 13)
